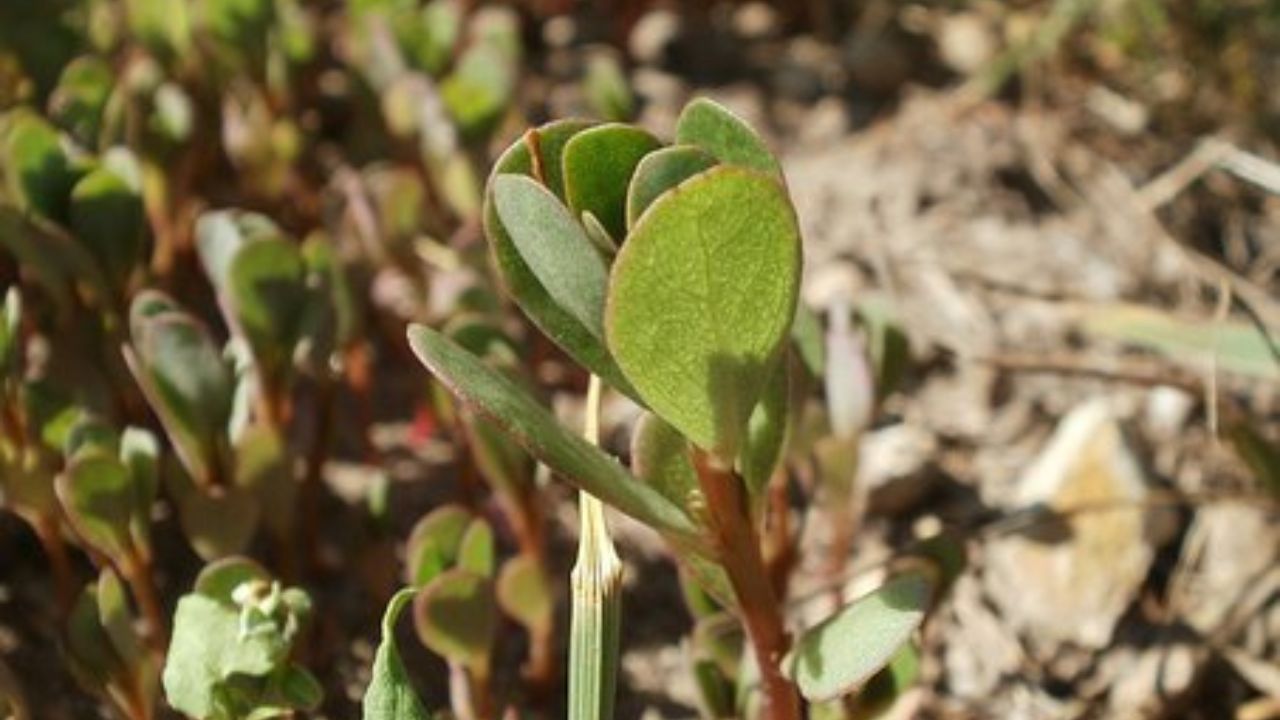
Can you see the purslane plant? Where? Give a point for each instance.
(672, 273)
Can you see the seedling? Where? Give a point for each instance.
(232, 638)
(107, 657)
(691, 318)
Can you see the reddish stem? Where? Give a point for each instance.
(739, 547)
(137, 572)
(50, 537)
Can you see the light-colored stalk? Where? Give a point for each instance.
(597, 600)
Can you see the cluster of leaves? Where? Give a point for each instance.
(154, 350)
(672, 273)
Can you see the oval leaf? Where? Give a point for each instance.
(555, 248)
(456, 617)
(701, 299)
(661, 170)
(598, 164)
(519, 280)
(841, 653)
(714, 128)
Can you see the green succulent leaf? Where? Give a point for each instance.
(229, 659)
(89, 646)
(10, 331)
(766, 437)
(701, 298)
(717, 130)
(661, 170)
(164, 27)
(519, 280)
(184, 377)
(434, 543)
(524, 593)
(117, 620)
(219, 579)
(660, 457)
(80, 98)
(262, 467)
(479, 89)
(607, 89)
(456, 618)
(98, 496)
(476, 549)
(216, 525)
(390, 695)
(845, 650)
(554, 247)
(534, 427)
(36, 163)
(266, 287)
(598, 165)
(108, 218)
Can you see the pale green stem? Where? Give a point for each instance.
(597, 600)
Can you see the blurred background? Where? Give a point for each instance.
(1055, 225)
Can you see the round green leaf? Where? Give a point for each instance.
(598, 164)
(266, 286)
(108, 218)
(456, 617)
(841, 653)
(524, 593)
(701, 299)
(661, 170)
(731, 140)
(433, 543)
(97, 495)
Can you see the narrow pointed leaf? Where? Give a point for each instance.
(844, 651)
(598, 165)
(533, 426)
(701, 298)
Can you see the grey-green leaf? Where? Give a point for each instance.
(390, 695)
(701, 299)
(519, 281)
(598, 165)
(661, 170)
(766, 437)
(534, 427)
(554, 247)
(456, 617)
(717, 130)
(660, 457)
(844, 651)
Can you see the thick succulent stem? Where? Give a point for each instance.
(739, 545)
